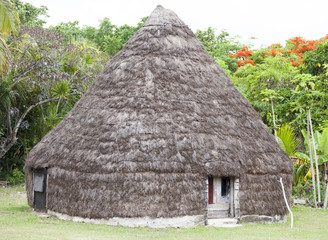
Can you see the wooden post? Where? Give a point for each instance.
(326, 197)
(236, 198)
(274, 121)
(315, 157)
(324, 175)
(311, 162)
(290, 211)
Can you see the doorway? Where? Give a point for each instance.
(40, 189)
(220, 197)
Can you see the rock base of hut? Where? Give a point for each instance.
(263, 219)
(176, 222)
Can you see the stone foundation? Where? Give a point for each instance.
(183, 222)
(263, 219)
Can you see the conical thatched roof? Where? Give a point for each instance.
(157, 121)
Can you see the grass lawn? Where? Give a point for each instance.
(17, 221)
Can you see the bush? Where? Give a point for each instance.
(17, 177)
(305, 190)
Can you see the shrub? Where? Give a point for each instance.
(305, 190)
(17, 177)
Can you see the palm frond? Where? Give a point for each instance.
(4, 56)
(287, 139)
(303, 156)
(11, 92)
(9, 23)
(62, 89)
(300, 172)
(9, 18)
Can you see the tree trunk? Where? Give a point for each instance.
(4, 148)
(311, 161)
(11, 138)
(315, 157)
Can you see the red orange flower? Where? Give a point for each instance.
(297, 62)
(298, 46)
(309, 47)
(250, 62)
(241, 62)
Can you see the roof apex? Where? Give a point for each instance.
(163, 16)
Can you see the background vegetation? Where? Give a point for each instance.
(44, 71)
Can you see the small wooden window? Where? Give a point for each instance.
(38, 182)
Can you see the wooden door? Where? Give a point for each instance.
(210, 190)
(40, 189)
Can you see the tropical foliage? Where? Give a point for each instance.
(287, 81)
(30, 15)
(46, 77)
(44, 71)
(9, 23)
(302, 167)
(108, 37)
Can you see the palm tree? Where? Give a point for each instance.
(9, 23)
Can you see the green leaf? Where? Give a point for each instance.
(323, 146)
(301, 170)
(317, 138)
(303, 156)
(322, 159)
(9, 20)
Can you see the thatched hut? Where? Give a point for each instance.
(161, 138)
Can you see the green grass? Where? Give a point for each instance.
(17, 221)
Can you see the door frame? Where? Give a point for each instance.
(40, 180)
(214, 187)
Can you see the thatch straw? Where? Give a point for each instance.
(157, 121)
